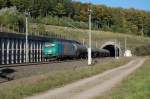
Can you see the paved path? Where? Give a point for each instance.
(93, 86)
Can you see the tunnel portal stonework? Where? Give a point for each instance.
(111, 46)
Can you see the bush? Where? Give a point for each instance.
(142, 50)
(11, 18)
(64, 21)
(40, 29)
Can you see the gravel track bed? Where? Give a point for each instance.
(22, 71)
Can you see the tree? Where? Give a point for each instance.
(12, 18)
(59, 10)
(22, 5)
(1, 4)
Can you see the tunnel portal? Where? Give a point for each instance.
(111, 49)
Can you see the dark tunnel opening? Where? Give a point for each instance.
(111, 49)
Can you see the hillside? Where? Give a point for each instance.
(64, 12)
(138, 44)
(99, 37)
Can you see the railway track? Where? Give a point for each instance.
(18, 71)
(39, 63)
(7, 71)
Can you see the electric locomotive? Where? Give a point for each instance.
(64, 49)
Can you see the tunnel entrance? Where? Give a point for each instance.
(111, 49)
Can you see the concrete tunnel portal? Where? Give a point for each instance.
(113, 48)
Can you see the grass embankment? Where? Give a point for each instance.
(136, 86)
(100, 37)
(29, 86)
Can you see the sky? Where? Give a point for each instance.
(137, 4)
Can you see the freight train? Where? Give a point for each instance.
(61, 49)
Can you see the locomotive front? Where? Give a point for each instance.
(50, 50)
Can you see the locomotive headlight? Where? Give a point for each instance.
(52, 45)
(50, 51)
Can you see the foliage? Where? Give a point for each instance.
(59, 10)
(64, 21)
(143, 50)
(40, 29)
(12, 18)
(104, 18)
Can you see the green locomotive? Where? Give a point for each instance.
(64, 49)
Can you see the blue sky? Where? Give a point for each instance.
(137, 4)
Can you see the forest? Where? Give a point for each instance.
(72, 13)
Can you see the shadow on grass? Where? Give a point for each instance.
(7, 74)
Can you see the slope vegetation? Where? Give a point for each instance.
(100, 37)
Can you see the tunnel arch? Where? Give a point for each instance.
(111, 46)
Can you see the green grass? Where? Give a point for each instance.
(29, 86)
(136, 86)
(99, 37)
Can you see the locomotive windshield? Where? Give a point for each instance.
(49, 45)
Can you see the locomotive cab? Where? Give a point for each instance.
(49, 49)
